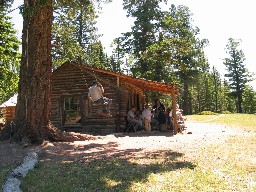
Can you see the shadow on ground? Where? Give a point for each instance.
(102, 166)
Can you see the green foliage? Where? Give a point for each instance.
(237, 74)
(229, 103)
(9, 57)
(208, 95)
(97, 56)
(4, 171)
(115, 64)
(207, 113)
(226, 112)
(5, 5)
(147, 15)
(27, 10)
(249, 100)
(170, 51)
(216, 89)
(74, 34)
(183, 51)
(163, 44)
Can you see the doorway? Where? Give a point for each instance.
(71, 110)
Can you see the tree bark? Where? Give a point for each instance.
(33, 106)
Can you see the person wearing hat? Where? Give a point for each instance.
(95, 94)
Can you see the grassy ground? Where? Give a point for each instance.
(3, 173)
(246, 122)
(230, 166)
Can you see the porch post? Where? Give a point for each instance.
(118, 100)
(173, 96)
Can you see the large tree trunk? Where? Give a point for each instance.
(33, 107)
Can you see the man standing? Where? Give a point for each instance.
(95, 94)
(147, 115)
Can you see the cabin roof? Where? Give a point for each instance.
(143, 84)
(11, 102)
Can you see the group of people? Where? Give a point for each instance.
(157, 117)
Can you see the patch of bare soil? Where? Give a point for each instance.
(87, 147)
(12, 153)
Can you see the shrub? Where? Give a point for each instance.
(207, 113)
(226, 112)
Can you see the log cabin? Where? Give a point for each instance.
(72, 110)
(7, 110)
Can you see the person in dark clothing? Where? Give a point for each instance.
(156, 107)
(162, 119)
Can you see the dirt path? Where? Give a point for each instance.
(118, 144)
(132, 144)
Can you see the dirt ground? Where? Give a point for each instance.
(120, 144)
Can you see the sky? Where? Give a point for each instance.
(217, 20)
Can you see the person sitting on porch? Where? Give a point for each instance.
(131, 117)
(95, 94)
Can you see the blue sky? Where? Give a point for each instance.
(217, 20)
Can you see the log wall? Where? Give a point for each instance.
(9, 114)
(70, 80)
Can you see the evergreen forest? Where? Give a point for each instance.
(162, 46)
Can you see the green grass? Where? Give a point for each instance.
(216, 168)
(243, 121)
(3, 174)
(111, 174)
(162, 172)
(4, 171)
(200, 118)
(234, 162)
(230, 166)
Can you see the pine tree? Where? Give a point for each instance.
(184, 51)
(249, 100)
(9, 55)
(237, 74)
(143, 34)
(33, 106)
(216, 80)
(32, 116)
(74, 32)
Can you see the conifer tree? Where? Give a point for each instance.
(146, 14)
(33, 106)
(249, 100)
(74, 32)
(236, 72)
(9, 54)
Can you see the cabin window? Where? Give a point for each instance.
(72, 112)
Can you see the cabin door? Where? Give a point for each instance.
(71, 106)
